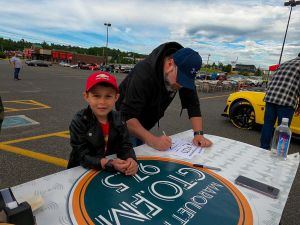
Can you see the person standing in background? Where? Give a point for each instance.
(17, 64)
(282, 98)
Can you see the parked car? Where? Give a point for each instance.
(75, 66)
(237, 78)
(94, 66)
(222, 76)
(247, 108)
(126, 68)
(201, 76)
(64, 64)
(255, 80)
(38, 63)
(84, 66)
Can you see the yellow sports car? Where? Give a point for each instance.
(246, 108)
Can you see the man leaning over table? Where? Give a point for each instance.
(151, 86)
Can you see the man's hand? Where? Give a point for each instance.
(297, 112)
(161, 143)
(201, 141)
(132, 167)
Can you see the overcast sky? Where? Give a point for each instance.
(250, 30)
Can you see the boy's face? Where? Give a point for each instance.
(101, 100)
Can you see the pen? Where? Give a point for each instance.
(207, 167)
(164, 133)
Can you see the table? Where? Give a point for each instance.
(233, 157)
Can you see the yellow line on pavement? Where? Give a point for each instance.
(40, 104)
(16, 110)
(6, 109)
(33, 138)
(63, 135)
(25, 102)
(35, 155)
(219, 96)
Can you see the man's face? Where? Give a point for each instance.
(170, 73)
(101, 100)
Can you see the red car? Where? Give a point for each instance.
(94, 66)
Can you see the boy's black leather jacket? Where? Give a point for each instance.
(87, 139)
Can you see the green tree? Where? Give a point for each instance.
(220, 66)
(115, 54)
(258, 72)
(2, 55)
(45, 45)
(227, 68)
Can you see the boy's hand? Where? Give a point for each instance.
(120, 165)
(132, 167)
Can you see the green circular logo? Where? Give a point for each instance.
(164, 191)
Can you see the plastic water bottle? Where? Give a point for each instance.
(281, 139)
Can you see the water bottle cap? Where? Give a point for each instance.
(285, 120)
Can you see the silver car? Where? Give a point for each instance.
(38, 63)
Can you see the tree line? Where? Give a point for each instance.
(114, 55)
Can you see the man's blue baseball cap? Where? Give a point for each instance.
(188, 64)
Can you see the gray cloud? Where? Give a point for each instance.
(252, 30)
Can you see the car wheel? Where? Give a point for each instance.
(242, 115)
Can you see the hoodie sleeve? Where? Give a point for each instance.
(126, 150)
(80, 154)
(138, 92)
(190, 101)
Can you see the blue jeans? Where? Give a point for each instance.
(135, 141)
(16, 73)
(273, 112)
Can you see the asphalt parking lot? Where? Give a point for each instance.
(51, 96)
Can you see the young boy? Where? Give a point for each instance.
(97, 131)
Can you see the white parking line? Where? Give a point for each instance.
(31, 91)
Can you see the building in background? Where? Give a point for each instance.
(61, 56)
(57, 56)
(37, 52)
(83, 58)
(245, 68)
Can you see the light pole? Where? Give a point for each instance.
(207, 66)
(207, 59)
(291, 3)
(107, 25)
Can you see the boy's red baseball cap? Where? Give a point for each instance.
(101, 77)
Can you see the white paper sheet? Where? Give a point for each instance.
(185, 149)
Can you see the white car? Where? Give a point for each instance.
(255, 81)
(64, 64)
(75, 66)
